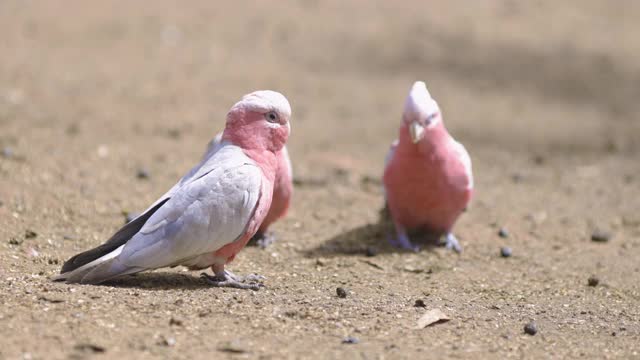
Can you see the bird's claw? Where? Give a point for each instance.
(402, 241)
(451, 243)
(228, 279)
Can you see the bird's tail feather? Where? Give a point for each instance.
(108, 270)
(100, 270)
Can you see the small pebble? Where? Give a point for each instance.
(143, 173)
(167, 341)
(593, 281)
(600, 235)
(531, 328)
(342, 293)
(90, 348)
(420, 303)
(505, 251)
(350, 340)
(503, 233)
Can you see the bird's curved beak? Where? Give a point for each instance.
(416, 130)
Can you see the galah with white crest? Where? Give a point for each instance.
(211, 213)
(427, 180)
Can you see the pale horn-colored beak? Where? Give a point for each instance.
(416, 130)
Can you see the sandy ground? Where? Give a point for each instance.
(542, 93)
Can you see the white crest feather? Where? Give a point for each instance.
(264, 101)
(419, 103)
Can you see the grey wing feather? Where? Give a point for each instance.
(464, 157)
(208, 208)
(387, 160)
(212, 210)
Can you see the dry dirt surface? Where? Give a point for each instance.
(542, 93)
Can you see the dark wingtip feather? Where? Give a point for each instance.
(118, 239)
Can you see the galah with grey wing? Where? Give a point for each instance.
(427, 178)
(211, 213)
(282, 193)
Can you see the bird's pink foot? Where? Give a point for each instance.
(262, 240)
(402, 240)
(228, 279)
(451, 243)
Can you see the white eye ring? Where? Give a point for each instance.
(272, 117)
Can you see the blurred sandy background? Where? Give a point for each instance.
(542, 94)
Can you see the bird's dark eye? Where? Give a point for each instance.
(271, 116)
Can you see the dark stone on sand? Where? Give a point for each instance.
(342, 293)
(350, 340)
(600, 235)
(505, 252)
(90, 348)
(143, 174)
(531, 328)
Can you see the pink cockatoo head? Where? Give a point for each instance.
(260, 121)
(421, 112)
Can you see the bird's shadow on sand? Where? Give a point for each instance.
(367, 240)
(160, 281)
